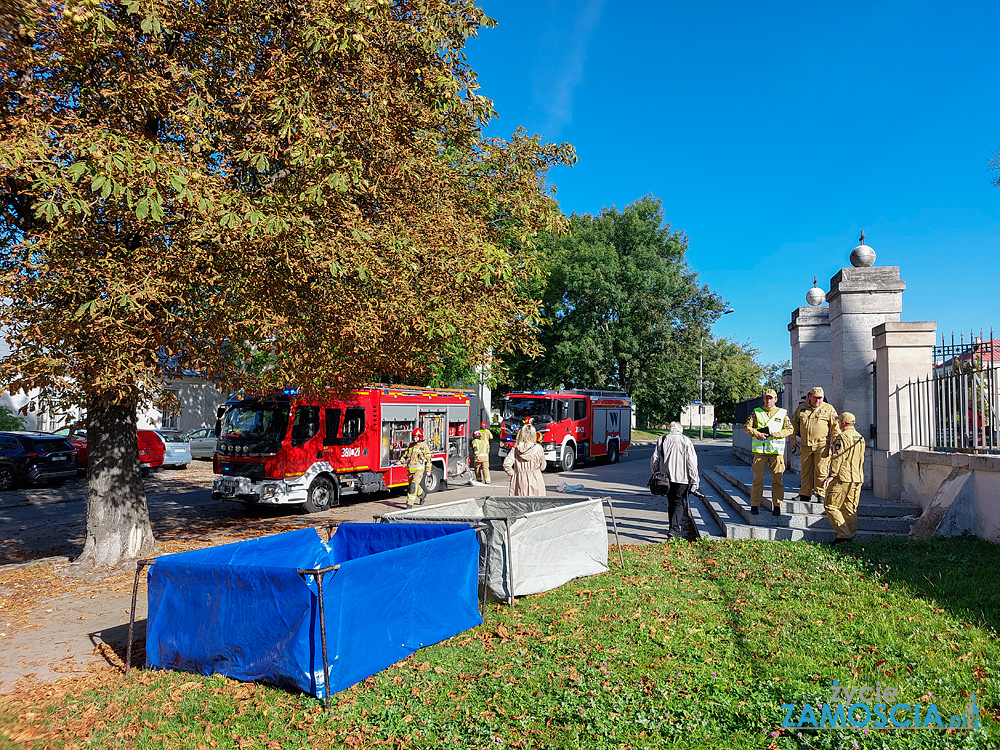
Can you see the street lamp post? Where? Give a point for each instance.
(701, 382)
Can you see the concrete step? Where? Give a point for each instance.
(731, 509)
(734, 525)
(741, 477)
(704, 519)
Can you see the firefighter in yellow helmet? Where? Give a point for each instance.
(418, 466)
(814, 424)
(768, 426)
(843, 485)
(481, 452)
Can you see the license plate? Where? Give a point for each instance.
(60, 458)
(229, 487)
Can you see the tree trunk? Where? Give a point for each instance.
(117, 515)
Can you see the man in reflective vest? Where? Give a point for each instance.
(418, 466)
(481, 453)
(814, 424)
(768, 426)
(843, 485)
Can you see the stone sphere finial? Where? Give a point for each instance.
(862, 256)
(815, 296)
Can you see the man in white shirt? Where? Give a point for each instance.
(675, 456)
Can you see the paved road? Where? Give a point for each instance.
(38, 524)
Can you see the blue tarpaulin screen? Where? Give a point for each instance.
(243, 610)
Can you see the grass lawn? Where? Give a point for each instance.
(692, 646)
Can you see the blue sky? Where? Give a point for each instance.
(774, 133)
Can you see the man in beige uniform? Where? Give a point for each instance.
(843, 485)
(768, 426)
(814, 425)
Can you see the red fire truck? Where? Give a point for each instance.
(285, 448)
(574, 425)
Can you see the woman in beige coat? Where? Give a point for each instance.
(524, 464)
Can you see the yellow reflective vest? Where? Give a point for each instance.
(774, 424)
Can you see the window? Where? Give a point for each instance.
(306, 423)
(354, 423)
(579, 409)
(9, 444)
(170, 411)
(562, 410)
(332, 426)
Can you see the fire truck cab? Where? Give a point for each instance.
(285, 448)
(572, 425)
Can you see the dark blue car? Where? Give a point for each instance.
(35, 458)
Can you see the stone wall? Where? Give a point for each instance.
(958, 492)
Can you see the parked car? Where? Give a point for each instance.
(203, 443)
(177, 449)
(152, 449)
(35, 458)
(76, 435)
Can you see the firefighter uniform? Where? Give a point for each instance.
(418, 466)
(815, 427)
(847, 472)
(768, 426)
(481, 455)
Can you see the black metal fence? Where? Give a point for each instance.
(957, 407)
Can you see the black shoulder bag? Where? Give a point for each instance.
(659, 483)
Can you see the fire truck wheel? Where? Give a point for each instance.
(612, 453)
(435, 481)
(568, 460)
(322, 495)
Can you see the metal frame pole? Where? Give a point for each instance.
(510, 564)
(614, 525)
(139, 565)
(318, 574)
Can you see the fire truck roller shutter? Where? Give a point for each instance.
(600, 426)
(625, 423)
(399, 412)
(458, 413)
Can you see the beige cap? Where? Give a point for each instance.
(770, 392)
(817, 391)
(848, 418)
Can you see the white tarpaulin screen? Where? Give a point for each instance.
(535, 543)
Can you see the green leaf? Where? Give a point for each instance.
(76, 171)
(142, 210)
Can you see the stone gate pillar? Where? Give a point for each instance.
(809, 334)
(860, 299)
(903, 351)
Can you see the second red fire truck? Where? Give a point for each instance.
(285, 448)
(573, 425)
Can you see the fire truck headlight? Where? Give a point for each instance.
(269, 490)
(550, 446)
